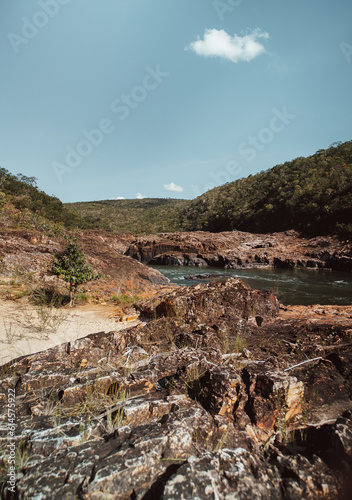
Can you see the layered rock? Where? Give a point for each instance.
(204, 400)
(237, 249)
(213, 303)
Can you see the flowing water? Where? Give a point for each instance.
(297, 286)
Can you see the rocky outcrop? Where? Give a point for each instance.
(213, 304)
(237, 249)
(218, 395)
(23, 253)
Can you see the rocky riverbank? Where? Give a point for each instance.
(218, 393)
(237, 249)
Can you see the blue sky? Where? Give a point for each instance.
(168, 98)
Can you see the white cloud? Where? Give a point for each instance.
(120, 198)
(140, 196)
(218, 43)
(173, 187)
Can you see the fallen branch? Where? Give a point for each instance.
(303, 363)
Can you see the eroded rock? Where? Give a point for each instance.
(202, 401)
(237, 249)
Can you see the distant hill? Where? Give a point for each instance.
(312, 195)
(24, 205)
(146, 216)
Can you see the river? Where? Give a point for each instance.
(295, 287)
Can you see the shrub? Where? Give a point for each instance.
(70, 265)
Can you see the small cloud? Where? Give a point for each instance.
(140, 196)
(120, 198)
(218, 43)
(173, 187)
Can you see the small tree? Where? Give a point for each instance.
(70, 265)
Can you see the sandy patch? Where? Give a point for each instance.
(25, 329)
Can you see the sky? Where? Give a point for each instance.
(168, 98)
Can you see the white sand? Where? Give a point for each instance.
(25, 329)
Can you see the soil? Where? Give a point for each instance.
(23, 330)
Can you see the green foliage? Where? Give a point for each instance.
(136, 216)
(312, 195)
(70, 265)
(123, 299)
(23, 194)
(82, 297)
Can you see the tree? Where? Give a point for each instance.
(70, 265)
(30, 181)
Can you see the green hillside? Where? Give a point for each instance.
(312, 195)
(146, 216)
(24, 205)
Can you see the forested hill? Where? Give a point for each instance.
(312, 195)
(146, 216)
(23, 204)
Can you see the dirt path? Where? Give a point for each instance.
(25, 329)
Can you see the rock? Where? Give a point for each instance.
(283, 264)
(274, 398)
(198, 402)
(24, 252)
(237, 249)
(191, 260)
(339, 262)
(237, 473)
(230, 300)
(205, 276)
